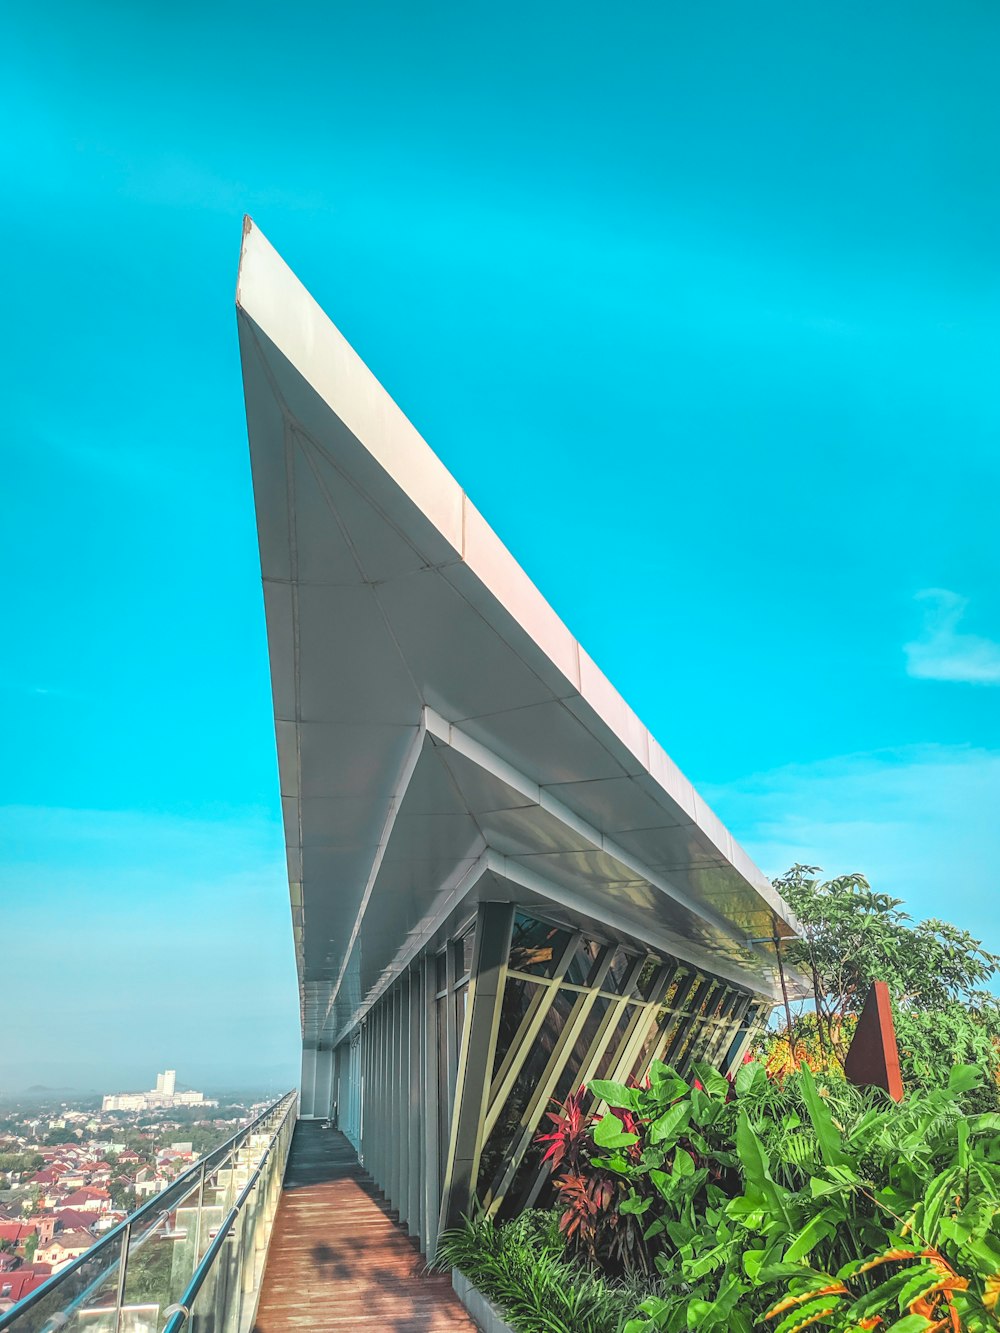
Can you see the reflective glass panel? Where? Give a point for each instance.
(621, 964)
(536, 947)
(517, 999)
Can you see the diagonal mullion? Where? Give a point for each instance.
(638, 1029)
(675, 1016)
(677, 1042)
(540, 1098)
(494, 921)
(613, 1016)
(738, 1005)
(703, 1023)
(705, 1041)
(524, 1039)
(603, 1036)
(750, 1025)
(628, 1048)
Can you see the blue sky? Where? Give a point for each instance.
(699, 303)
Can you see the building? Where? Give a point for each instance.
(501, 885)
(166, 1082)
(19, 1282)
(63, 1247)
(163, 1097)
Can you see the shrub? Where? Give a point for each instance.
(796, 1201)
(523, 1267)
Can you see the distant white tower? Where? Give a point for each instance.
(159, 1082)
(169, 1082)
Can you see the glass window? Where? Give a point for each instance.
(444, 1091)
(610, 1057)
(536, 947)
(503, 1141)
(569, 1079)
(466, 948)
(517, 998)
(652, 1044)
(621, 965)
(582, 969)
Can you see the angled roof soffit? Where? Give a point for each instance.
(438, 726)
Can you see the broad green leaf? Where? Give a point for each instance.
(655, 1306)
(665, 1083)
(706, 1263)
(714, 1083)
(756, 1169)
(617, 1162)
(827, 1134)
(667, 1126)
(615, 1094)
(820, 1187)
(749, 1078)
(635, 1205)
(779, 1272)
(815, 1230)
(665, 1183)
(683, 1163)
(963, 1078)
(610, 1133)
(872, 1302)
(752, 1261)
(698, 1313)
(925, 1277)
(963, 1145)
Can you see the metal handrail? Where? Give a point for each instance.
(183, 1310)
(152, 1208)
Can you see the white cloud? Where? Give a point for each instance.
(943, 651)
(920, 822)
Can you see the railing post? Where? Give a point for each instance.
(197, 1225)
(122, 1272)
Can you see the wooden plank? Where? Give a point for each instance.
(338, 1260)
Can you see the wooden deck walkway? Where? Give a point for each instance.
(338, 1260)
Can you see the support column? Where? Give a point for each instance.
(307, 1083)
(494, 924)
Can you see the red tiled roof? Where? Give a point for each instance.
(21, 1282)
(16, 1231)
(80, 1198)
(71, 1219)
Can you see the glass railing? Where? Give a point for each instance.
(192, 1257)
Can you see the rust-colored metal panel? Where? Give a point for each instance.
(873, 1060)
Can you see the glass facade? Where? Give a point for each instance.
(444, 1085)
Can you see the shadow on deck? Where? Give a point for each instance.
(338, 1258)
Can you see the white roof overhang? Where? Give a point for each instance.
(441, 735)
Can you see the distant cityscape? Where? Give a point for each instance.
(164, 1096)
(68, 1174)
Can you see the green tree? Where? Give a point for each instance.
(21, 1161)
(935, 972)
(122, 1194)
(30, 1246)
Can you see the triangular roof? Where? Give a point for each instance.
(441, 734)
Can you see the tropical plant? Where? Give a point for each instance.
(808, 1202)
(523, 1267)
